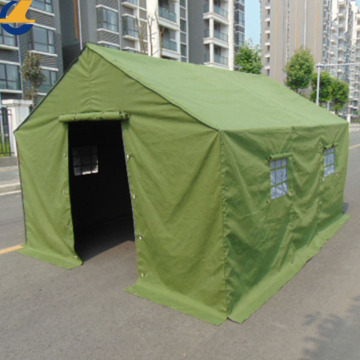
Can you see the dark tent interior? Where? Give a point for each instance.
(100, 197)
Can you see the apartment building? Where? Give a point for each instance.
(354, 103)
(156, 28)
(198, 31)
(217, 30)
(329, 28)
(43, 39)
(287, 26)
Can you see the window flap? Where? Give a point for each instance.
(94, 116)
(279, 156)
(327, 147)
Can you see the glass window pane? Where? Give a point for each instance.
(278, 178)
(2, 72)
(12, 73)
(273, 178)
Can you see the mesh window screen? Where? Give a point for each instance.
(279, 178)
(329, 161)
(85, 160)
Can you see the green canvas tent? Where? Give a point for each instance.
(235, 181)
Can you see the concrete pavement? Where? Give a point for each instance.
(50, 313)
(9, 176)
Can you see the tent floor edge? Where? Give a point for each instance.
(271, 285)
(179, 302)
(62, 262)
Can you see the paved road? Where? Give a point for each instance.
(49, 313)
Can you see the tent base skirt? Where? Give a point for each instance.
(63, 262)
(254, 299)
(163, 296)
(272, 283)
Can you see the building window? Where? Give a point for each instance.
(329, 161)
(43, 40)
(130, 26)
(183, 50)
(279, 178)
(6, 38)
(107, 19)
(50, 80)
(85, 160)
(183, 25)
(240, 17)
(9, 77)
(45, 5)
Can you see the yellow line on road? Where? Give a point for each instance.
(354, 147)
(11, 249)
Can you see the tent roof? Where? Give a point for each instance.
(221, 99)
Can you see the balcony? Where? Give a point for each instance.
(217, 9)
(44, 89)
(130, 32)
(170, 45)
(223, 60)
(167, 14)
(130, 3)
(207, 57)
(220, 11)
(217, 34)
(221, 36)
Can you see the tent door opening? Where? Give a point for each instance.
(99, 189)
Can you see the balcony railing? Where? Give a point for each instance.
(167, 14)
(207, 57)
(218, 35)
(170, 44)
(45, 89)
(219, 10)
(130, 32)
(221, 59)
(221, 36)
(134, 2)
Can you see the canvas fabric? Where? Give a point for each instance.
(211, 242)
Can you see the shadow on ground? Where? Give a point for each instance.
(337, 339)
(97, 239)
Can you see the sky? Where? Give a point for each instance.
(252, 20)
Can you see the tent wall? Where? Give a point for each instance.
(269, 240)
(210, 241)
(174, 173)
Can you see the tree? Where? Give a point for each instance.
(31, 72)
(339, 94)
(248, 58)
(299, 70)
(326, 86)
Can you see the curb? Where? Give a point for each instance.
(8, 161)
(9, 188)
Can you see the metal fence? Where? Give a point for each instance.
(5, 133)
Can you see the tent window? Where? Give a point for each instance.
(85, 160)
(329, 161)
(279, 178)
